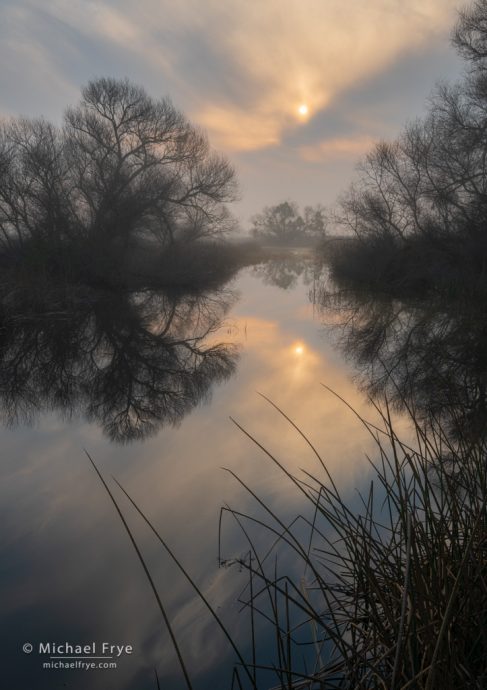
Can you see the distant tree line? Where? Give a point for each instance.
(122, 168)
(418, 210)
(284, 224)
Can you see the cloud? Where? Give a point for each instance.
(30, 66)
(337, 148)
(309, 53)
(242, 68)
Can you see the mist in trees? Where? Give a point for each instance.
(284, 225)
(416, 214)
(123, 169)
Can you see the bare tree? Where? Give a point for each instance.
(284, 224)
(123, 166)
(34, 198)
(470, 33)
(429, 186)
(140, 166)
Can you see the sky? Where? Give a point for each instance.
(243, 70)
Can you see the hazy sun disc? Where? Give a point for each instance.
(299, 349)
(303, 109)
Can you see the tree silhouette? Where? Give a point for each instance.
(284, 224)
(122, 167)
(420, 202)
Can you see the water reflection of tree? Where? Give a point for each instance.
(131, 362)
(284, 272)
(431, 357)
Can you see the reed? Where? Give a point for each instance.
(390, 596)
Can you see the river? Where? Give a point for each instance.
(69, 572)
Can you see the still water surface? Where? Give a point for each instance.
(69, 572)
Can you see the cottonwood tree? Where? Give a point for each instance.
(470, 33)
(432, 180)
(35, 198)
(284, 224)
(315, 221)
(122, 166)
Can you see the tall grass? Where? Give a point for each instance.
(392, 595)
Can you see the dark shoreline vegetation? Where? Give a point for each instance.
(113, 272)
(450, 268)
(181, 266)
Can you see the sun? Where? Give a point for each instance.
(299, 349)
(303, 110)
